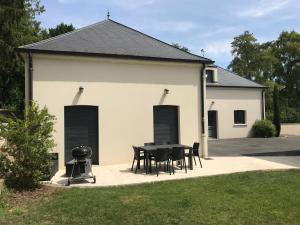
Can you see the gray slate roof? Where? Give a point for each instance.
(227, 78)
(109, 38)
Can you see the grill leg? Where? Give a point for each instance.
(173, 166)
(73, 169)
(90, 165)
(132, 165)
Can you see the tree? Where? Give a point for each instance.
(244, 50)
(287, 49)
(271, 63)
(61, 28)
(17, 27)
(25, 155)
(276, 120)
(181, 47)
(251, 59)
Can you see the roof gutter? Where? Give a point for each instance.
(228, 86)
(202, 99)
(89, 54)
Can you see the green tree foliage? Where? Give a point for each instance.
(287, 74)
(252, 60)
(28, 142)
(276, 120)
(269, 107)
(61, 29)
(181, 47)
(271, 63)
(17, 27)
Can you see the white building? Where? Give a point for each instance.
(112, 87)
(233, 103)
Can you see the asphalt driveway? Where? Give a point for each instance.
(282, 146)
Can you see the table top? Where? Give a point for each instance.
(154, 147)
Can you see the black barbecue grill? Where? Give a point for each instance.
(82, 158)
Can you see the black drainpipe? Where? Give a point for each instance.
(202, 99)
(30, 70)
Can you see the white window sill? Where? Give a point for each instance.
(240, 125)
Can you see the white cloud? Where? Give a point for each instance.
(217, 48)
(265, 7)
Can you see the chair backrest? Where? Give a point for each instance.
(149, 143)
(177, 153)
(196, 146)
(162, 154)
(137, 152)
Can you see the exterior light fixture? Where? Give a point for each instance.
(166, 91)
(81, 89)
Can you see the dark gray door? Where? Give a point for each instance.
(81, 128)
(165, 119)
(212, 124)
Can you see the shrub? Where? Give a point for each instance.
(28, 142)
(263, 129)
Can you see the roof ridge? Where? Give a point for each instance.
(61, 35)
(234, 73)
(188, 53)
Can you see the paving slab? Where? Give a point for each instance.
(122, 175)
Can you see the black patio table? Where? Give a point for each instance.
(152, 148)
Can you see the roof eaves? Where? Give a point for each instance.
(234, 86)
(52, 52)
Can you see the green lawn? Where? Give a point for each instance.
(244, 198)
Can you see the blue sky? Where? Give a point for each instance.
(196, 24)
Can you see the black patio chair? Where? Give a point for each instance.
(196, 152)
(178, 155)
(162, 155)
(137, 157)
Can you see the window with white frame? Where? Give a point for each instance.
(239, 116)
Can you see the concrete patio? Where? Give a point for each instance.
(121, 174)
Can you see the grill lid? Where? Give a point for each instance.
(82, 152)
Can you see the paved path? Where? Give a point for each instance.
(226, 156)
(282, 146)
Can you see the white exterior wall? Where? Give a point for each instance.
(125, 92)
(226, 100)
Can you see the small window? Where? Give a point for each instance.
(209, 76)
(239, 117)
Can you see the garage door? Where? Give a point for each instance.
(81, 128)
(165, 124)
